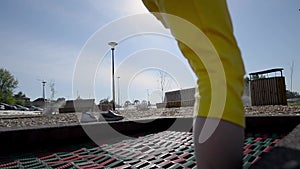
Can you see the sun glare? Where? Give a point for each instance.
(135, 7)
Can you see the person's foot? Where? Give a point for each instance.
(110, 116)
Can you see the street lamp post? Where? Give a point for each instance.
(118, 91)
(113, 44)
(44, 82)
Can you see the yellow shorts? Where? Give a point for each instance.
(213, 19)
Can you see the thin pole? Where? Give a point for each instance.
(113, 44)
(44, 97)
(292, 72)
(118, 90)
(113, 77)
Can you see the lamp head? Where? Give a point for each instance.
(113, 44)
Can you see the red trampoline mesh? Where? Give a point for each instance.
(168, 149)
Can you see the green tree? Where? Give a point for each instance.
(7, 85)
(127, 103)
(247, 85)
(256, 77)
(291, 95)
(19, 98)
(104, 101)
(136, 102)
(246, 80)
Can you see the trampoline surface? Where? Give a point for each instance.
(167, 149)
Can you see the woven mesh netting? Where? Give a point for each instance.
(168, 149)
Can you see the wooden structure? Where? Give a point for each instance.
(178, 98)
(79, 105)
(266, 89)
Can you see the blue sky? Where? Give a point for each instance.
(44, 40)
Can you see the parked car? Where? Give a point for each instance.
(22, 108)
(34, 108)
(2, 107)
(8, 107)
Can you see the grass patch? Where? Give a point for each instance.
(294, 104)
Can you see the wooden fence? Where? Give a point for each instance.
(268, 91)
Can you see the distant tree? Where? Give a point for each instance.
(105, 104)
(247, 80)
(7, 98)
(247, 85)
(61, 99)
(136, 102)
(104, 101)
(7, 85)
(143, 105)
(162, 83)
(20, 98)
(52, 89)
(291, 95)
(127, 103)
(255, 77)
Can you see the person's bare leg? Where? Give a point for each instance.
(223, 150)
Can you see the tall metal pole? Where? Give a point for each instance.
(292, 72)
(113, 77)
(118, 90)
(113, 44)
(44, 82)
